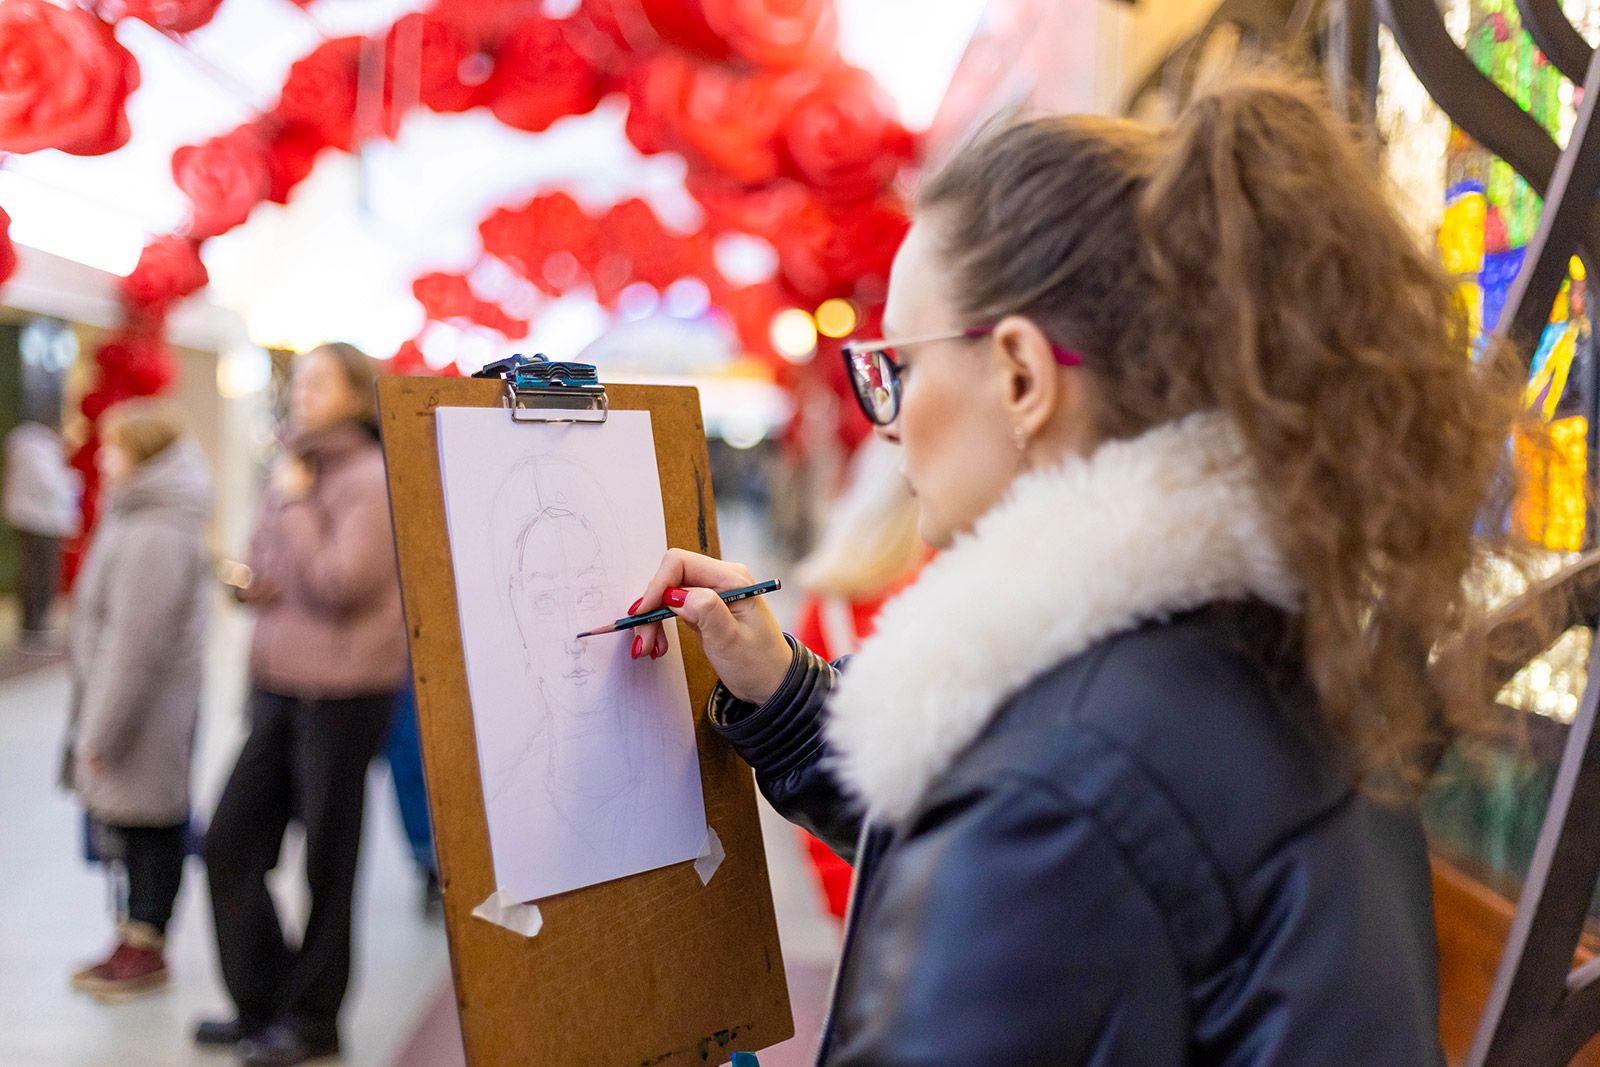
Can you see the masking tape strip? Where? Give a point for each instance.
(711, 857)
(503, 910)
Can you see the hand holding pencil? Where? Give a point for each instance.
(742, 639)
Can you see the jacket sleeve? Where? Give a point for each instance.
(343, 556)
(783, 741)
(1010, 929)
(153, 576)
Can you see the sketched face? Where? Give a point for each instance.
(557, 588)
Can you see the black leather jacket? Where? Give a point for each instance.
(1148, 858)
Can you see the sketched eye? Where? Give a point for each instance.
(590, 598)
(546, 604)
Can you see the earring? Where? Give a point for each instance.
(1019, 437)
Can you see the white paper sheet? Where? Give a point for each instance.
(589, 764)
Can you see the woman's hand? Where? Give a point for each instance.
(292, 479)
(742, 640)
(259, 593)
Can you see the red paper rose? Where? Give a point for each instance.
(444, 296)
(775, 34)
(178, 16)
(485, 23)
(429, 60)
(825, 252)
(612, 33)
(408, 360)
(760, 210)
(750, 310)
(224, 179)
(489, 314)
(731, 121)
(652, 87)
(169, 269)
(8, 251)
(842, 137)
(129, 366)
(631, 229)
(64, 80)
(292, 150)
(526, 237)
(320, 91)
(540, 77)
(683, 23)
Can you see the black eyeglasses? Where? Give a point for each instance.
(874, 369)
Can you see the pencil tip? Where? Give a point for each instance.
(585, 633)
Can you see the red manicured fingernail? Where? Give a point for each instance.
(675, 597)
(634, 609)
(638, 646)
(660, 649)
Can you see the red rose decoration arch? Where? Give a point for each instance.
(783, 141)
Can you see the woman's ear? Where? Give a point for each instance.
(1031, 386)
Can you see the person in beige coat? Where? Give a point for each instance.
(136, 652)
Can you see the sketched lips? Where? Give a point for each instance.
(578, 674)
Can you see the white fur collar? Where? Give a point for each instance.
(1142, 529)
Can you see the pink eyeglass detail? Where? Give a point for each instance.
(1064, 356)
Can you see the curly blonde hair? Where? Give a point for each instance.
(1247, 260)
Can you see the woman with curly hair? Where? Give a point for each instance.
(1124, 775)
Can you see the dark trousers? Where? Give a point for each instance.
(152, 856)
(38, 578)
(304, 760)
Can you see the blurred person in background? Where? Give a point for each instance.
(868, 551)
(42, 502)
(136, 649)
(327, 659)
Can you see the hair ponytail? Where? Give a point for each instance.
(1247, 260)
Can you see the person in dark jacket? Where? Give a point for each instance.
(327, 659)
(1124, 774)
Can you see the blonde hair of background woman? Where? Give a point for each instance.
(870, 540)
(142, 428)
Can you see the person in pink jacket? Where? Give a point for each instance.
(328, 657)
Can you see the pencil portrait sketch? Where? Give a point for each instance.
(588, 757)
(552, 532)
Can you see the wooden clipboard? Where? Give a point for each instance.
(654, 970)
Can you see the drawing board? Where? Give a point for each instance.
(654, 968)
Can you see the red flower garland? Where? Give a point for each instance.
(540, 77)
(320, 92)
(64, 80)
(525, 238)
(292, 150)
(842, 138)
(8, 251)
(776, 34)
(169, 269)
(178, 16)
(448, 72)
(729, 121)
(224, 179)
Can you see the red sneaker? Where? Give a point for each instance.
(135, 968)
